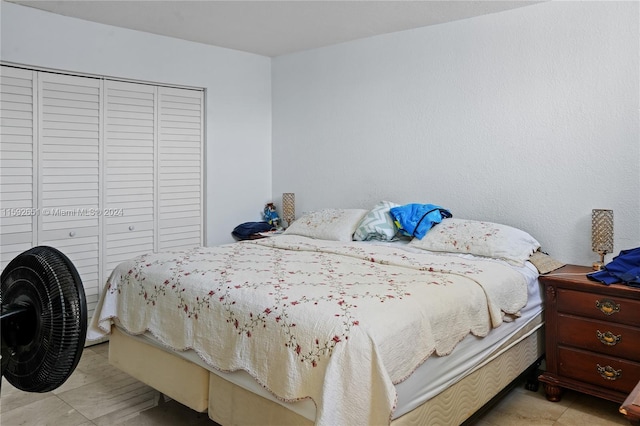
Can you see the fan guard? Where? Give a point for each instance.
(44, 319)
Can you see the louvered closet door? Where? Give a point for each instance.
(180, 168)
(129, 150)
(17, 180)
(69, 154)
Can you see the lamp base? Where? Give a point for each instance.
(597, 266)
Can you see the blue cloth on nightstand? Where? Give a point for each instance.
(625, 267)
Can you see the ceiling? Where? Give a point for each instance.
(272, 28)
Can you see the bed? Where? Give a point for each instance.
(311, 327)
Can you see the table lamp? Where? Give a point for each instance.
(601, 234)
(289, 207)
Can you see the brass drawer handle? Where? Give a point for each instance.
(608, 338)
(607, 306)
(609, 372)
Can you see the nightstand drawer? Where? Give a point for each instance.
(600, 336)
(598, 306)
(599, 370)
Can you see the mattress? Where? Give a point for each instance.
(432, 377)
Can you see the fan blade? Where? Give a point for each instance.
(44, 344)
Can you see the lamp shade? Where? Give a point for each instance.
(602, 230)
(601, 234)
(289, 207)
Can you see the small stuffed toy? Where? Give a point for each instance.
(271, 215)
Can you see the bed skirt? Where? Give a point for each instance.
(175, 377)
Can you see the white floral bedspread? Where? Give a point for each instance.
(339, 323)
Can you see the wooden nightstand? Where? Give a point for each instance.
(592, 335)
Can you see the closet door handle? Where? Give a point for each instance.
(72, 233)
(131, 227)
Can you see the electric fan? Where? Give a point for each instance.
(43, 319)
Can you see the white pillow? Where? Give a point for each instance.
(328, 224)
(377, 224)
(479, 238)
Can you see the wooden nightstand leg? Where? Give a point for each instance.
(553, 393)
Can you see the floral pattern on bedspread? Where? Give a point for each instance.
(340, 323)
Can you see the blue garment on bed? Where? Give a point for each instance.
(415, 220)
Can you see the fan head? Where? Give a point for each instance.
(44, 319)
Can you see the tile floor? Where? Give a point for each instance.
(98, 394)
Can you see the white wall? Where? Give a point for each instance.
(238, 96)
(528, 117)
